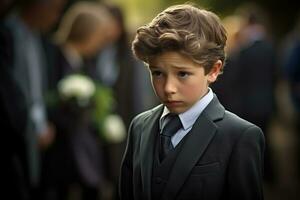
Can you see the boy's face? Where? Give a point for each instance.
(178, 81)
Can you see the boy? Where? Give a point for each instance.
(208, 153)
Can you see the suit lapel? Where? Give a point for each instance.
(150, 130)
(198, 139)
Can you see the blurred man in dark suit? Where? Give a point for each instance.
(13, 117)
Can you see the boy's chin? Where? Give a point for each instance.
(178, 110)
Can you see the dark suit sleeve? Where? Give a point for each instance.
(246, 166)
(126, 174)
(13, 117)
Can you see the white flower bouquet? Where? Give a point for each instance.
(114, 130)
(84, 92)
(77, 86)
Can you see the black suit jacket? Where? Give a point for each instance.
(75, 155)
(13, 117)
(252, 96)
(222, 158)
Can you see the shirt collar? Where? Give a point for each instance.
(189, 117)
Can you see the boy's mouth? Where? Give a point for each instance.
(173, 103)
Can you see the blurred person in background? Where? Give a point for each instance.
(74, 163)
(32, 19)
(253, 97)
(113, 59)
(226, 85)
(291, 70)
(116, 69)
(13, 117)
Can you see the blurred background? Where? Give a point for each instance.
(70, 87)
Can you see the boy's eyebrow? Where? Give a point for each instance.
(178, 67)
(181, 66)
(152, 67)
(175, 66)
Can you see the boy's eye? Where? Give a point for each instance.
(156, 73)
(183, 74)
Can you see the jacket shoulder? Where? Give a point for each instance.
(233, 123)
(235, 119)
(235, 129)
(142, 117)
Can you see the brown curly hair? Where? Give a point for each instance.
(192, 31)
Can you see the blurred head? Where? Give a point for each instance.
(116, 27)
(233, 25)
(297, 24)
(42, 14)
(253, 14)
(5, 6)
(85, 26)
(186, 29)
(255, 24)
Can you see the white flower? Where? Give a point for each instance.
(114, 128)
(79, 86)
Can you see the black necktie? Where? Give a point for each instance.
(165, 137)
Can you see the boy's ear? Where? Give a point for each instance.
(215, 71)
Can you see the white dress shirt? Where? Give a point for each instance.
(187, 118)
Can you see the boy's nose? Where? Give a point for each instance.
(170, 86)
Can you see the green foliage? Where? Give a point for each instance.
(51, 99)
(104, 104)
(71, 92)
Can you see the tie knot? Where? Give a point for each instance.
(172, 126)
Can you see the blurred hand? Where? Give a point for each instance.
(47, 137)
